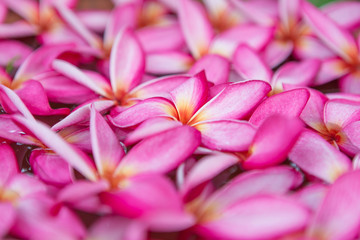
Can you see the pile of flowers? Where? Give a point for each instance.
(161, 119)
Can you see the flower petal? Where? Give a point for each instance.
(350, 83)
(340, 112)
(196, 27)
(8, 164)
(146, 109)
(106, 148)
(233, 102)
(277, 51)
(127, 62)
(331, 69)
(335, 37)
(272, 143)
(250, 65)
(339, 215)
(160, 153)
(226, 135)
(290, 104)
(317, 157)
(14, 52)
(216, 68)
(168, 62)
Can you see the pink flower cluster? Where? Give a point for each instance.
(185, 119)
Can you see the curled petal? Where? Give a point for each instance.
(272, 143)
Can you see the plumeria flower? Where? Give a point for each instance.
(236, 211)
(338, 39)
(25, 84)
(215, 118)
(25, 204)
(291, 34)
(300, 74)
(40, 19)
(117, 177)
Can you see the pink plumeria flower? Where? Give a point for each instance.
(116, 176)
(220, 212)
(338, 39)
(215, 118)
(24, 82)
(300, 74)
(291, 34)
(201, 38)
(25, 204)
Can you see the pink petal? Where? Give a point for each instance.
(74, 73)
(115, 228)
(335, 37)
(249, 64)
(216, 68)
(78, 136)
(310, 47)
(146, 109)
(289, 12)
(127, 62)
(277, 51)
(340, 112)
(7, 218)
(38, 62)
(158, 87)
(331, 69)
(73, 156)
(82, 114)
(299, 74)
(260, 12)
(290, 104)
(124, 15)
(343, 13)
(233, 102)
(161, 38)
(94, 20)
(160, 153)
(106, 148)
(274, 180)
(149, 128)
(339, 215)
(50, 168)
(74, 23)
(8, 164)
(17, 30)
(14, 52)
(61, 89)
(226, 135)
(12, 103)
(26, 186)
(27, 9)
(313, 114)
(312, 196)
(206, 169)
(144, 194)
(196, 27)
(34, 97)
(168, 62)
(253, 216)
(272, 143)
(254, 36)
(190, 96)
(10, 131)
(317, 157)
(350, 83)
(351, 144)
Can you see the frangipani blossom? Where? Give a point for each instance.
(291, 34)
(215, 118)
(25, 85)
(25, 203)
(116, 177)
(299, 74)
(233, 211)
(338, 39)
